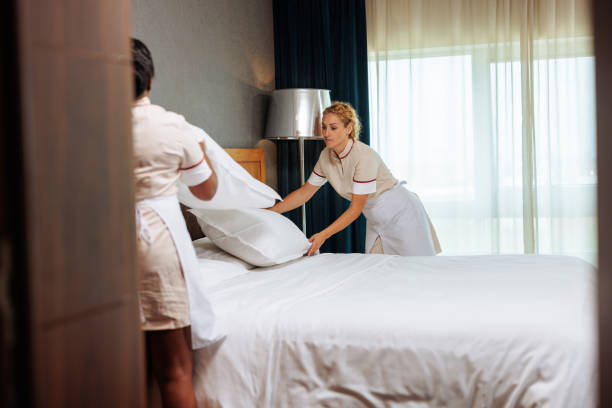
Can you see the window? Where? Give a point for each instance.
(450, 122)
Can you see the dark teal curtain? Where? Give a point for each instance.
(322, 44)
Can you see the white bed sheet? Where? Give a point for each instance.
(386, 331)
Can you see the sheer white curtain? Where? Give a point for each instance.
(486, 109)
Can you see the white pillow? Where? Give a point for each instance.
(236, 187)
(206, 249)
(259, 237)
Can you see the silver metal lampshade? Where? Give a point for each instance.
(296, 113)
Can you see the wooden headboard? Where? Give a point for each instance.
(253, 160)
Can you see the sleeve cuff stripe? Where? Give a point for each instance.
(195, 165)
(368, 181)
(318, 174)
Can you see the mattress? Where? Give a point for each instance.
(354, 330)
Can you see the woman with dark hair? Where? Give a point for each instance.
(396, 219)
(166, 150)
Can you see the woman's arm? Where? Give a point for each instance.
(295, 198)
(350, 215)
(207, 189)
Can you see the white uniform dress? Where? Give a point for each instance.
(166, 149)
(396, 219)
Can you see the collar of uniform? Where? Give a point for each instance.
(346, 151)
(143, 101)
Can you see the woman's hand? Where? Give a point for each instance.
(295, 199)
(357, 203)
(274, 207)
(316, 240)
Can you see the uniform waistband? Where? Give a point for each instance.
(373, 202)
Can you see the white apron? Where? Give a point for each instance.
(204, 327)
(399, 218)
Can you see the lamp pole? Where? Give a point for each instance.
(302, 180)
(300, 140)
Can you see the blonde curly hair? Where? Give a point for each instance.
(347, 115)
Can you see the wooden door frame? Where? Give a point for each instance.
(47, 336)
(602, 19)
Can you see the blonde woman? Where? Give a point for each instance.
(396, 219)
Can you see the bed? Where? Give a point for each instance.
(354, 330)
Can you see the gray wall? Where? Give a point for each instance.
(214, 62)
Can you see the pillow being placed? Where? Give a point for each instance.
(236, 187)
(259, 237)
